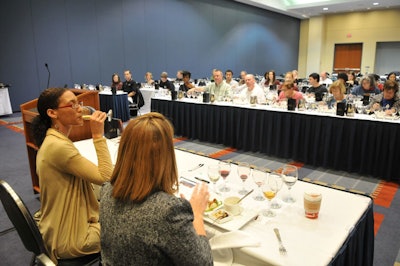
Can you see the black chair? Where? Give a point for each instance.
(29, 232)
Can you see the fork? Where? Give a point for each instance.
(282, 249)
(196, 167)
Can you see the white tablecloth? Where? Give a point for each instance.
(5, 104)
(308, 242)
(147, 93)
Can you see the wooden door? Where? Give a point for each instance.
(347, 57)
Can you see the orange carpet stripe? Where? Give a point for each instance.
(16, 129)
(378, 219)
(2, 122)
(179, 139)
(385, 193)
(297, 164)
(221, 153)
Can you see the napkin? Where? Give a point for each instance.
(233, 239)
(222, 244)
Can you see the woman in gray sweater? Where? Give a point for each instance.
(142, 222)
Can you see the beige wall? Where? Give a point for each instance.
(358, 27)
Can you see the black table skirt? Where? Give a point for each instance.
(118, 103)
(358, 146)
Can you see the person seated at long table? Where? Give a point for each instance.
(288, 92)
(366, 87)
(69, 211)
(388, 100)
(187, 85)
(316, 88)
(252, 89)
(142, 221)
(338, 90)
(135, 97)
(219, 88)
(165, 83)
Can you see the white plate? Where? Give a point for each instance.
(237, 222)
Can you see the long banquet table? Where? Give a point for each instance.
(342, 235)
(359, 144)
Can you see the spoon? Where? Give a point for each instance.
(196, 167)
(248, 193)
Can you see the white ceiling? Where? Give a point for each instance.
(310, 8)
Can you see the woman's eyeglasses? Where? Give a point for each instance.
(73, 106)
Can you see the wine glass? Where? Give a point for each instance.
(289, 176)
(243, 170)
(213, 175)
(259, 178)
(269, 189)
(224, 171)
(279, 181)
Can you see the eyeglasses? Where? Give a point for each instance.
(73, 106)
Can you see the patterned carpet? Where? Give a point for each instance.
(385, 194)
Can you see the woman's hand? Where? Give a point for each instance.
(199, 199)
(97, 124)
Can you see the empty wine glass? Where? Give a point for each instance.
(243, 170)
(213, 175)
(224, 171)
(269, 189)
(279, 181)
(259, 178)
(289, 176)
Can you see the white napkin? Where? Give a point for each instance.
(233, 239)
(222, 244)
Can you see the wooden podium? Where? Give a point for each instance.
(29, 111)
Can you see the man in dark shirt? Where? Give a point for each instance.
(135, 97)
(316, 88)
(165, 83)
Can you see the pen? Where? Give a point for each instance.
(201, 179)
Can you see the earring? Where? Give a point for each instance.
(56, 127)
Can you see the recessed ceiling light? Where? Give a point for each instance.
(375, 4)
(325, 8)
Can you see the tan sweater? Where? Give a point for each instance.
(69, 220)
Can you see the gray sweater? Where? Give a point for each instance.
(158, 231)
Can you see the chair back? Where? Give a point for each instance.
(21, 219)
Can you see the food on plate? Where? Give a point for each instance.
(213, 204)
(220, 214)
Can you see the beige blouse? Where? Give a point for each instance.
(69, 220)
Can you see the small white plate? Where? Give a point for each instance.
(237, 221)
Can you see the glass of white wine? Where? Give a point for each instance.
(289, 176)
(270, 188)
(213, 175)
(279, 181)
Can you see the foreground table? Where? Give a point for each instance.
(361, 144)
(342, 235)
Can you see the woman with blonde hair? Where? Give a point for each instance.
(143, 222)
(338, 90)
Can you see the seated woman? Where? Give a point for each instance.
(366, 87)
(142, 221)
(149, 78)
(338, 90)
(288, 92)
(187, 85)
(269, 81)
(388, 100)
(68, 217)
(116, 83)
